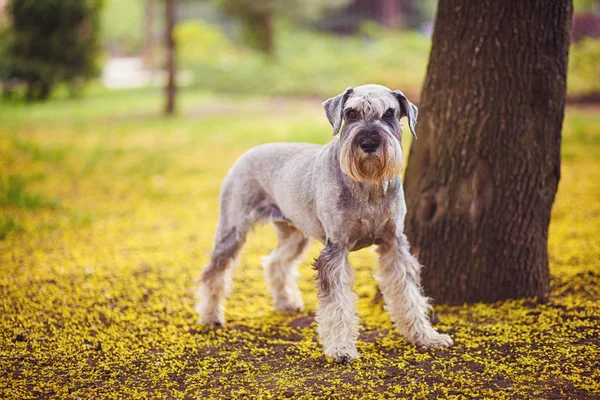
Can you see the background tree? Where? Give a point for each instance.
(482, 177)
(52, 42)
(149, 28)
(170, 65)
(257, 16)
(389, 12)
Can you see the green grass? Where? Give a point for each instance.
(98, 293)
(53, 154)
(13, 192)
(8, 225)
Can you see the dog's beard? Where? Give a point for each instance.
(384, 164)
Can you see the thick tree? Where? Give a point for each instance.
(482, 177)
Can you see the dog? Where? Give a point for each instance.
(347, 194)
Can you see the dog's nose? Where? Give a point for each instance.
(370, 143)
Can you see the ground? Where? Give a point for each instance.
(106, 218)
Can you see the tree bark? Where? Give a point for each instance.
(171, 88)
(482, 177)
(265, 32)
(389, 13)
(149, 45)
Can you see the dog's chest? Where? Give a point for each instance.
(370, 225)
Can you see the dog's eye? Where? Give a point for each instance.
(351, 114)
(389, 113)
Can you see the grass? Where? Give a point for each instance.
(13, 192)
(97, 294)
(8, 225)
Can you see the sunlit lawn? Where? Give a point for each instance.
(107, 213)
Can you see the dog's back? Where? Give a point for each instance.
(268, 175)
(270, 165)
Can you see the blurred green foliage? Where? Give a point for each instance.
(305, 62)
(584, 66)
(256, 17)
(295, 9)
(51, 42)
(204, 43)
(123, 25)
(584, 5)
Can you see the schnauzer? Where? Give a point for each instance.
(348, 195)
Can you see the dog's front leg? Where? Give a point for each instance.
(400, 284)
(337, 321)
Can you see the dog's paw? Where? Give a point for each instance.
(343, 356)
(210, 316)
(211, 321)
(435, 340)
(289, 306)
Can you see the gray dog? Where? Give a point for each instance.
(347, 194)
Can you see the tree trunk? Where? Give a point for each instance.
(265, 32)
(482, 177)
(258, 29)
(149, 45)
(389, 13)
(171, 68)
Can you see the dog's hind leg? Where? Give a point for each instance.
(216, 277)
(281, 267)
(241, 209)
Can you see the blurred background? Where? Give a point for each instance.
(86, 85)
(52, 48)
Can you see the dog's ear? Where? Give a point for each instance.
(408, 109)
(334, 109)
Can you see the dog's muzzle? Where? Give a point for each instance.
(369, 140)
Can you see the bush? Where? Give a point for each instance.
(204, 43)
(53, 41)
(584, 66)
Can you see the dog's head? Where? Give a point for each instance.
(371, 148)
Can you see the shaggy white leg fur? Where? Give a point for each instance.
(400, 283)
(337, 321)
(215, 285)
(281, 268)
